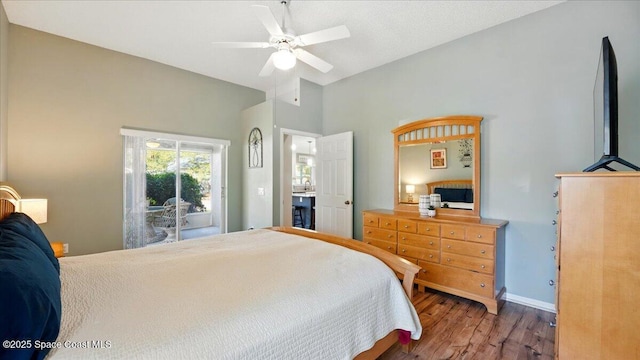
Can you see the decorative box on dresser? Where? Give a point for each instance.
(598, 289)
(460, 256)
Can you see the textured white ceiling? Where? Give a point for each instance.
(180, 33)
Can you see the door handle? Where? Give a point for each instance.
(348, 202)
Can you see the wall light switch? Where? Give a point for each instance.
(261, 191)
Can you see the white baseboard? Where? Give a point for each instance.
(530, 302)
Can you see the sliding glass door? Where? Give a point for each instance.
(174, 187)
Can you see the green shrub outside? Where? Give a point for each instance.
(162, 186)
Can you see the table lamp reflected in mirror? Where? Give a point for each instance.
(410, 189)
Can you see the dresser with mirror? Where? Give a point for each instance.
(459, 252)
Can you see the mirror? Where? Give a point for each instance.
(440, 155)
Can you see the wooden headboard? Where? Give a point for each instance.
(449, 184)
(8, 198)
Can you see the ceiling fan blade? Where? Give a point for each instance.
(268, 67)
(334, 33)
(268, 20)
(241, 45)
(312, 60)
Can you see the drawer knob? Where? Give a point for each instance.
(554, 222)
(388, 224)
(390, 236)
(389, 247)
(551, 282)
(406, 226)
(368, 242)
(430, 242)
(479, 236)
(482, 285)
(369, 232)
(428, 229)
(451, 233)
(404, 238)
(404, 250)
(448, 260)
(430, 255)
(482, 251)
(448, 246)
(482, 266)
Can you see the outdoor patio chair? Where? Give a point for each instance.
(167, 218)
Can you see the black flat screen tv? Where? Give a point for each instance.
(605, 103)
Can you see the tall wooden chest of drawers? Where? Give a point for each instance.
(598, 288)
(461, 256)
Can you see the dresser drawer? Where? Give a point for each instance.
(418, 253)
(429, 228)
(407, 226)
(452, 231)
(427, 242)
(384, 245)
(409, 259)
(370, 220)
(389, 223)
(476, 283)
(480, 234)
(467, 248)
(468, 262)
(380, 234)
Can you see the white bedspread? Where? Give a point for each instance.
(256, 294)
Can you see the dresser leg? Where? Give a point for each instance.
(493, 306)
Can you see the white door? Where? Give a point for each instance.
(334, 189)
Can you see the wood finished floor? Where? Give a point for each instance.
(457, 328)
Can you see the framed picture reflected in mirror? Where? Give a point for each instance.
(438, 158)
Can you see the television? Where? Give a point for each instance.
(605, 105)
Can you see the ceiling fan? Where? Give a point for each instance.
(288, 45)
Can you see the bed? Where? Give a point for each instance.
(279, 293)
(456, 194)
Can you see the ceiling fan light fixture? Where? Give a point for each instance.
(284, 59)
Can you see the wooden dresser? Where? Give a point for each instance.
(598, 289)
(460, 256)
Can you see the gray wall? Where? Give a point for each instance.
(257, 207)
(271, 116)
(307, 117)
(4, 93)
(532, 80)
(67, 102)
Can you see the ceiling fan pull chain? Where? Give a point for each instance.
(284, 10)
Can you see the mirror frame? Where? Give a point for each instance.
(414, 134)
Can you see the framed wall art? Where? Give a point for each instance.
(255, 148)
(438, 158)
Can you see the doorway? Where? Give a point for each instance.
(332, 172)
(298, 178)
(174, 187)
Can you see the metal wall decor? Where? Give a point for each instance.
(255, 148)
(465, 149)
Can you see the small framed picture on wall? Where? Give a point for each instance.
(439, 158)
